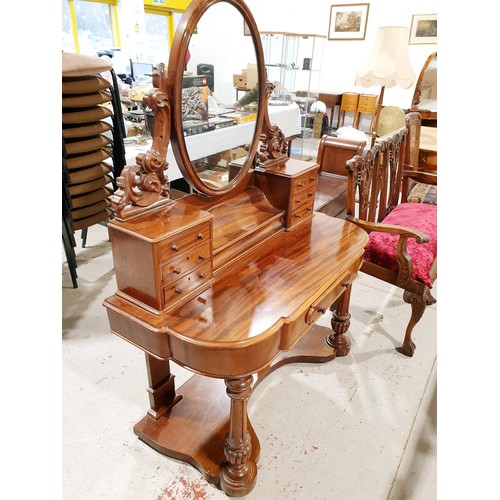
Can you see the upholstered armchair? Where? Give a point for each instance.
(402, 248)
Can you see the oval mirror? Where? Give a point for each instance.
(213, 64)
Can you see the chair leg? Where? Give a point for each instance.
(418, 305)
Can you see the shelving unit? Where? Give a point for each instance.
(293, 60)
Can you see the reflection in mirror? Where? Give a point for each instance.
(220, 69)
(425, 96)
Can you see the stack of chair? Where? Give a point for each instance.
(93, 151)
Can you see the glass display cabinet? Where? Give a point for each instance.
(293, 63)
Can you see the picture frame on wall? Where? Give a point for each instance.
(423, 29)
(348, 21)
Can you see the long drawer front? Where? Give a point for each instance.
(312, 312)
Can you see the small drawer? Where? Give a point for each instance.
(307, 180)
(302, 197)
(181, 287)
(176, 268)
(303, 212)
(174, 246)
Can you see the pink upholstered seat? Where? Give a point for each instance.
(381, 249)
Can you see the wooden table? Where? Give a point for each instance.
(254, 315)
(331, 99)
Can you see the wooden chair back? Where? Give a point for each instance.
(374, 179)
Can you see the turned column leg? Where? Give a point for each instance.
(340, 324)
(239, 472)
(161, 388)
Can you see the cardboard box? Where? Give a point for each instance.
(240, 81)
(221, 177)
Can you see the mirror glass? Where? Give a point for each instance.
(425, 97)
(220, 70)
(428, 87)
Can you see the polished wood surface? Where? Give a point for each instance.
(331, 191)
(228, 283)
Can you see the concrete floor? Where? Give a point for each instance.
(362, 427)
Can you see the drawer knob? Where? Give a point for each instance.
(301, 184)
(309, 209)
(310, 194)
(201, 275)
(201, 257)
(313, 177)
(177, 270)
(174, 248)
(178, 291)
(200, 236)
(299, 200)
(297, 216)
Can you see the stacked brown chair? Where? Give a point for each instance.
(93, 152)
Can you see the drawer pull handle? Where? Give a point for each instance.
(177, 270)
(301, 184)
(313, 178)
(297, 216)
(310, 194)
(299, 200)
(201, 275)
(178, 291)
(309, 209)
(200, 236)
(174, 248)
(201, 257)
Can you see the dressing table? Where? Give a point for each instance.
(227, 283)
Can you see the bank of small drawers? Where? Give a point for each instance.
(186, 262)
(303, 191)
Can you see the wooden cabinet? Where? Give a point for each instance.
(162, 262)
(290, 187)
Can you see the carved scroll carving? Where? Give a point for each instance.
(273, 147)
(145, 184)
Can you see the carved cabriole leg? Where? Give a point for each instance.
(418, 305)
(239, 472)
(340, 324)
(161, 386)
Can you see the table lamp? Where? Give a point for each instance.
(389, 63)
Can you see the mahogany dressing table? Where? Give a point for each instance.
(229, 282)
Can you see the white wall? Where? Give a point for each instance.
(341, 58)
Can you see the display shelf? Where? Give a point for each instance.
(293, 64)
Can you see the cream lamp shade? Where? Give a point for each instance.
(389, 63)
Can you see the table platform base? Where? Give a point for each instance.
(194, 429)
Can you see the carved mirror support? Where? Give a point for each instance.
(146, 183)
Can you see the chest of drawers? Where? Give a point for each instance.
(163, 257)
(290, 187)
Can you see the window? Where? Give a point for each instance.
(91, 24)
(157, 36)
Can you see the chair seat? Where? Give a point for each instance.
(382, 247)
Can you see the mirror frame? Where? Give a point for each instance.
(417, 95)
(180, 44)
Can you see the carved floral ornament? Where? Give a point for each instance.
(146, 183)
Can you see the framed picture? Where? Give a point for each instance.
(348, 21)
(424, 29)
